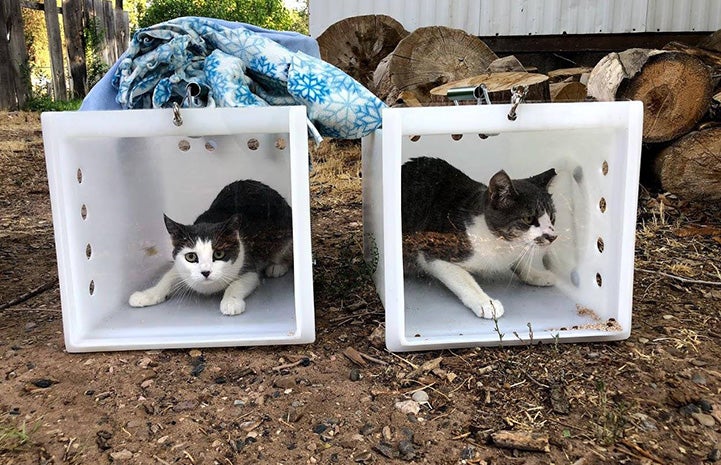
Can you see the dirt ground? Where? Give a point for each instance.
(653, 399)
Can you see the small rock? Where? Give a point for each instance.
(295, 413)
(378, 337)
(185, 405)
(468, 453)
(407, 450)
(668, 317)
(593, 355)
(420, 396)
(408, 407)
(698, 378)
(705, 405)
(29, 326)
(689, 409)
(195, 353)
(101, 439)
(646, 423)
(42, 383)
(387, 450)
(386, 433)
(355, 374)
(643, 340)
(714, 455)
(705, 420)
(124, 454)
(367, 429)
(320, 428)
(363, 457)
(198, 369)
(238, 403)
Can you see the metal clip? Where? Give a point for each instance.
(177, 119)
(480, 93)
(518, 95)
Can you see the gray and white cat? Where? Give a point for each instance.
(454, 227)
(246, 231)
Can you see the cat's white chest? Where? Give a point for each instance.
(490, 254)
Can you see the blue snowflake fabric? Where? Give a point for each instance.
(237, 67)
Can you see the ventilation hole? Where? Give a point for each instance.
(91, 287)
(575, 278)
(602, 205)
(280, 143)
(88, 251)
(253, 144)
(604, 167)
(80, 176)
(600, 244)
(84, 212)
(599, 279)
(456, 136)
(415, 138)
(578, 174)
(184, 145)
(211, 145)
(483, 136)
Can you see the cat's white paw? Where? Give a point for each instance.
(276, 270)
(146, 298)
(231, 305)
(488, 309)
(539, 278)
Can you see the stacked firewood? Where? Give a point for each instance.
(678, 85)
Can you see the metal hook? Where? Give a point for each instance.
(177, 119)
(518, 94)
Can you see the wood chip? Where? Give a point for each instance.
(521, 440)
(355, 356)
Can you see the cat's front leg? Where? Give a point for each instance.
(233, 302)
(156, 294)
(534, 277)
(463, 285)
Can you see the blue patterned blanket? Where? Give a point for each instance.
(235, 65)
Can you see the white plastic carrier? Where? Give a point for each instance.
(113, 174)
(594, 147)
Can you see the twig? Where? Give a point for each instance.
(635, 448)
(373, 359)
(680, 278)
(160, 460)
(30, 294)
(292, 364)
(413, 365)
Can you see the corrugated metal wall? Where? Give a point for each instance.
(530, 17)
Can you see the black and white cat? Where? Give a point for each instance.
(454, 226)
(246, 231)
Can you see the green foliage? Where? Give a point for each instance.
(270, 14)
(46, 103)
(94, 38)
(13, 437)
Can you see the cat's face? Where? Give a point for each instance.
(208, 257)
(522, 210)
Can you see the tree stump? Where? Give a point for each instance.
(675, 89)
(691, 166)
(566, 74)
(356, 45)
(436, 55)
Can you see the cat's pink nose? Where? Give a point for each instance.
(550, 238)
(205, 273)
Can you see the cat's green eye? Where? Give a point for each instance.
(218, 255)
(192, 257)
(529, 220)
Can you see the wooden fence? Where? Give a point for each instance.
(106, 22)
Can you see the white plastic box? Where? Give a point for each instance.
(594, 147)
(113, 174)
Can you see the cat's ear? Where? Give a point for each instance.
(233, 223)
(501, 191)
(542, 180)
(175, 229)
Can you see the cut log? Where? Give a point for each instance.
(563, 74)
(499, 85)
(709, 57)
(691, 166)
(506, 64)
(711, 42)
(382, 86)
(675, 89)
(357, 44)
(436, 55)
(567, 91)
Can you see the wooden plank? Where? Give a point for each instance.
(101, 30)
(37, 6)
(111, 49)
(16, 59)
(73, 22)
(52, 24)
(122, 30)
